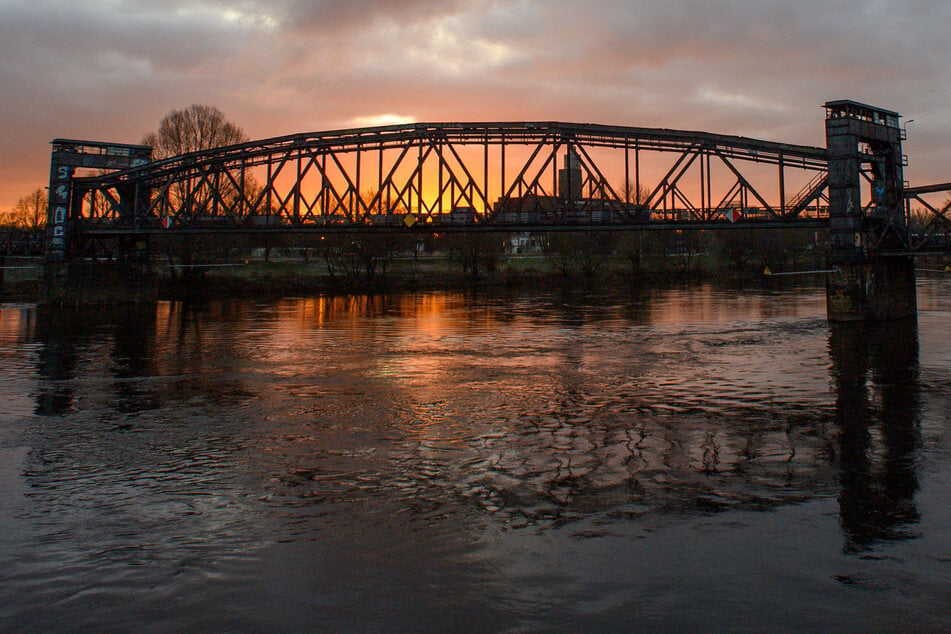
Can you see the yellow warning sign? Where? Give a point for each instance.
(409, 220)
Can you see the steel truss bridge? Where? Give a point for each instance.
(489, 176)
(445, 177)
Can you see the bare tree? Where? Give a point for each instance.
(30, 211)
(635, 247)
(197, 127)
(369, 253)
(200, 127)
(473, 251)
(633, 194)
(585, 251)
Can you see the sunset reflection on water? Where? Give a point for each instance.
(491, 438)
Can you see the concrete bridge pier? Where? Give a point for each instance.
(872, 281)
(876, 289)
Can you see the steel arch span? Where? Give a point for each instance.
(463, 176)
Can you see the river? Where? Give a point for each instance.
(685, 458)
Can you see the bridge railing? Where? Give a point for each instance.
(810, 193)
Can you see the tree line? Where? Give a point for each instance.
(29, 213)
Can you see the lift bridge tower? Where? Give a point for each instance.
(67, 279)
(873, 279)
(67, 157)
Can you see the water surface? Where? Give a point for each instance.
(694, 457)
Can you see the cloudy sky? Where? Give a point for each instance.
(111, 69)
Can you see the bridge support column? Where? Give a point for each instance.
(875, 289)
(872, 279)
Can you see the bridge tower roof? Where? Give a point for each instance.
(856, 110)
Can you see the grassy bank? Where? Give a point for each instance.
(20, 278)
(425, 273)
(282, 277)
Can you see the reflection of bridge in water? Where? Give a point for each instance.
(446, 177)
(582, 438)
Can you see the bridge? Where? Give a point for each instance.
(479, 176)
(527, 176)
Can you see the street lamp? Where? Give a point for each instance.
(904, 129)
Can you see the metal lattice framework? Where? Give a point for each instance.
(23, 242)
(465, 176)
(930, 223)
(542, 176)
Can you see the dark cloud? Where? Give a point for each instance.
(111, 69)
(330, 15)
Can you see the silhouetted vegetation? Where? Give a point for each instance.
(195, 128)
(362, 255)
(475, 253)
(29, 213)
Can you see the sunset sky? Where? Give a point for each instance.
(111, 69)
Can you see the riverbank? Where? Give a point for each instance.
(97, 282)
(106, 282)
(276, 278)
(21, 278)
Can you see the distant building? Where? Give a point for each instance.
(569, 177)
(570, 206)
(524, 244)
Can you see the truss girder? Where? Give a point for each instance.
(433, 169)
(932, 227)
(22, 242)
